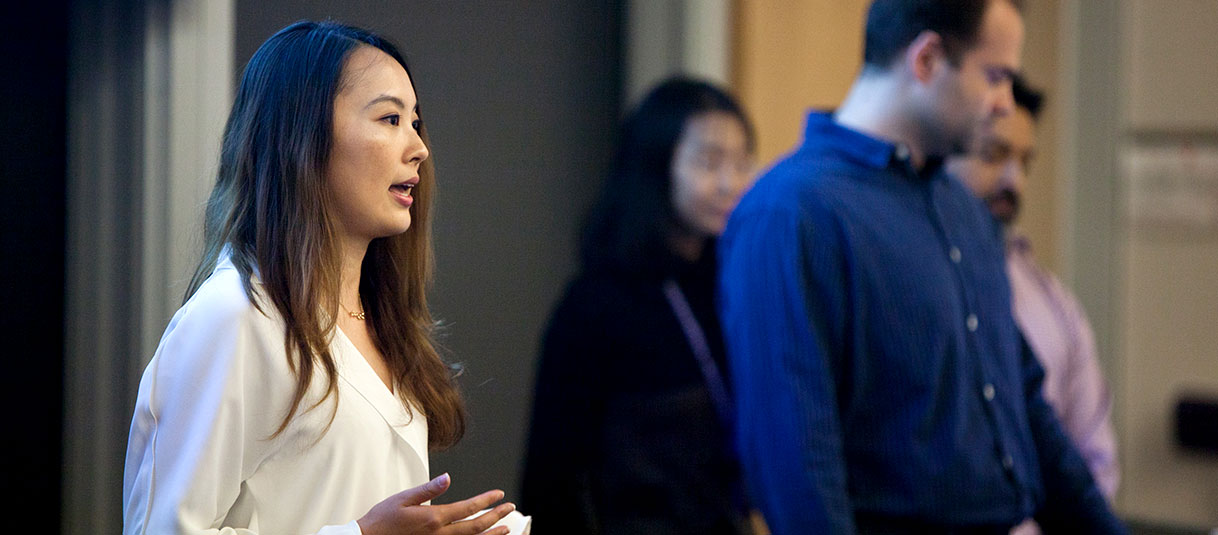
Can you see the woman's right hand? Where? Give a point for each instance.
(404, 513)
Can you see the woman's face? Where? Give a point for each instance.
(376, 153)
(711, 169)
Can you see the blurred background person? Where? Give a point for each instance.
(1049, 316)
(881, 381)
(631, 419)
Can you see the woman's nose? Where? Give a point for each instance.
(416, 149)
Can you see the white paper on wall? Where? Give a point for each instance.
(1172, 186)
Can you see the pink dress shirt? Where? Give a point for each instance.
(1055, 326)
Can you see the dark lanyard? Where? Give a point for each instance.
(697, 342)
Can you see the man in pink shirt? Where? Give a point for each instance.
(1050, 317)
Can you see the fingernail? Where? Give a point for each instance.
(443, 479)
(511, 507)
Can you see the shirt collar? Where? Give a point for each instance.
(822, 130)
(1018, 243)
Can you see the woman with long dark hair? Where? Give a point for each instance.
(298, 388)
(631, 419)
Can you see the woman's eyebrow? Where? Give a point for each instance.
(388, 98)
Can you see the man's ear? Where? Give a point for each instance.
(923, 55)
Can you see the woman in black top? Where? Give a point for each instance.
(631, 420)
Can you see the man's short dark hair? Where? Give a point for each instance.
(892, 25)
(1027, 97)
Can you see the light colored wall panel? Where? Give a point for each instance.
(1129, 65)
(1171, 338)
(791, 56)
(1172, 76)
(675, 37)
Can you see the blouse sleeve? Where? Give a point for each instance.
(208, 404)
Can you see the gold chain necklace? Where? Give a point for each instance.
(357, 315)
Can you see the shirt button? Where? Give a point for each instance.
(955, 255)
(988, 392)
(1008, 462)
(971, 322)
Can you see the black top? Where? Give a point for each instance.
(625, 435)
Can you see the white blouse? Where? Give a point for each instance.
(201, 459)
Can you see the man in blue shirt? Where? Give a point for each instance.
(881, 383)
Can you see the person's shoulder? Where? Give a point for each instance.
(599, 287)
(222, 300)
(807, 175)
(791, 191)
(1020, 256)
(218, 335)
(223, 318)
(590, 308)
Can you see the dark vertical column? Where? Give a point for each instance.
(107, 47)
(32, 216)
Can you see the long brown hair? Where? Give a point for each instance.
(269, 211)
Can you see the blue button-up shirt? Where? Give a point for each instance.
(877, 366)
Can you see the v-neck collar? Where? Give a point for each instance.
(351, 345)
(354, 369)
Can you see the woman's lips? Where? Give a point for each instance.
(401, 193)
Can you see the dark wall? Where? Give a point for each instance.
(32, 187)
(521, 100)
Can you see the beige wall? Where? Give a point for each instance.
(1171, 348)
(1168, 243)
(1041, 216)
(794, 55)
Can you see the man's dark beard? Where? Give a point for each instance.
(1004, 204)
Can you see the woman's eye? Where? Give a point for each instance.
(416, 124)
(392, 119)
